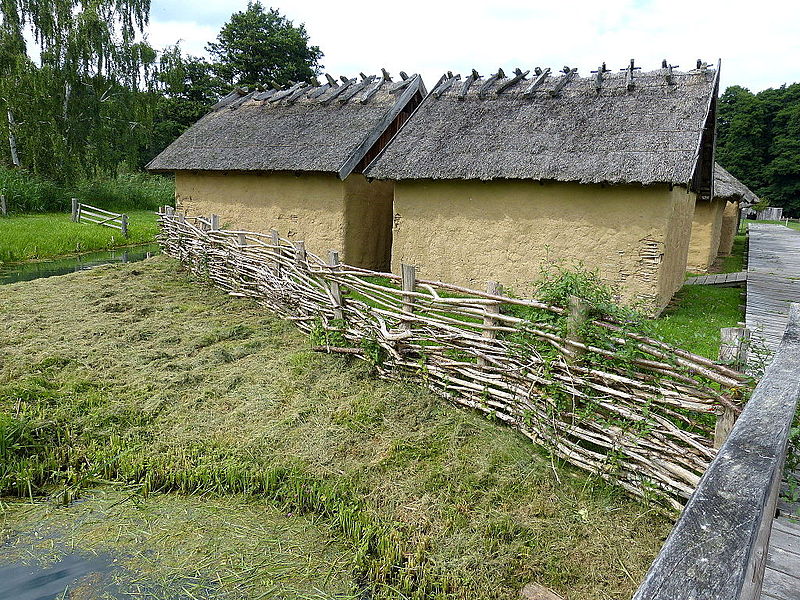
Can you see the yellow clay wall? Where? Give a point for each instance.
(353, 217)
(706, 230)
(730, 222)
(468, 232)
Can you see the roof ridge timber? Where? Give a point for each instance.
(303, 126)
(626, 126)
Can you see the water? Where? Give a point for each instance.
(61, 266)
(86, 576)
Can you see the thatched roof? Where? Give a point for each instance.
(727, 187)
(327, 128)
(622, 127)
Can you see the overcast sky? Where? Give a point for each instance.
(758, 41)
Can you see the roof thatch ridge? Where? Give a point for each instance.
(729, 188)
(303, 126)
(635, 127)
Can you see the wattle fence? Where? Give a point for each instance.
(633, 410)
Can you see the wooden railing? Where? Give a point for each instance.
(631, 409)
(718, 547)
(91, 214)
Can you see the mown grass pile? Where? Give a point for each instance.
(138, 375)
(32, 236)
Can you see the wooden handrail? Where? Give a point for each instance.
(718, 548)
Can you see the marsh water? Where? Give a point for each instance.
(72, 576)
(61, 266)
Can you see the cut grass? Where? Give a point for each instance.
(39, 236)
(139, 375)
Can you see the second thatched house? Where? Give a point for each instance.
(498, 176)
(292, 160)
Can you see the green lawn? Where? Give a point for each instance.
(790, 224)
(38, 236)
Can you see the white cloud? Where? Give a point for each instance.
(757, 42)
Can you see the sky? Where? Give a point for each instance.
(757, 42)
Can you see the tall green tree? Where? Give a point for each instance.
(259, 46)
(85, 104)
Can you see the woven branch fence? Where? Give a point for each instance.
(633, 410)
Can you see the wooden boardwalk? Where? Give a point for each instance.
(782, 575)
(720, 279)
(773, 280)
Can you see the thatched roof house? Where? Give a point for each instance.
(495, 176)
(292, 160)
(735, 194)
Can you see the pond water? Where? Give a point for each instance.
(61, 266)
(73, 576)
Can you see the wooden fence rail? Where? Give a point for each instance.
(91, 214)
(717, 549)
(631, 409)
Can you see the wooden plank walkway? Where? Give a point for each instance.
(773, 280)
(720, 279)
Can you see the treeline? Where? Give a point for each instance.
(91, 99)
(759, 142)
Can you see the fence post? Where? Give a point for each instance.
(3, 205)
(409, 279)
(170, 211)
(495, 289)
(276, 247)
(125, 225)
(241, 238)
(734, 342)
(214, 222)
(333, 286)
(576, 319)
(300, 255)
(75, 210)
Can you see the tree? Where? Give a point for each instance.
(86, 105)
(263, 47)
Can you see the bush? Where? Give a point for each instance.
(29, 193)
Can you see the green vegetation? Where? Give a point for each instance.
(758, 141)
(791, 224)
(29, 193)
(735, 262)
(138, 375)
(27, 237)
(695, 316)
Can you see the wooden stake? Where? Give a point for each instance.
(242, 240)
(495, 289)
(74, 210)
(300, 254)
(276, 246)
(734, 342)
(3, 206)
(124, 225)
(214, 222)
(333, 286)
(576, 319)
(409, 279)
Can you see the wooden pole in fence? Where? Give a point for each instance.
(409, 279)
(214, 222)
(124, 225)
(576, 319)
(276, 246)
(242, 240)
(733, 347)
(333, 286)
(495, 289)
(3, 205)
(300, 254)
(75, 210)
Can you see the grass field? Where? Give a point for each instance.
(138, 375)
(39, 236)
